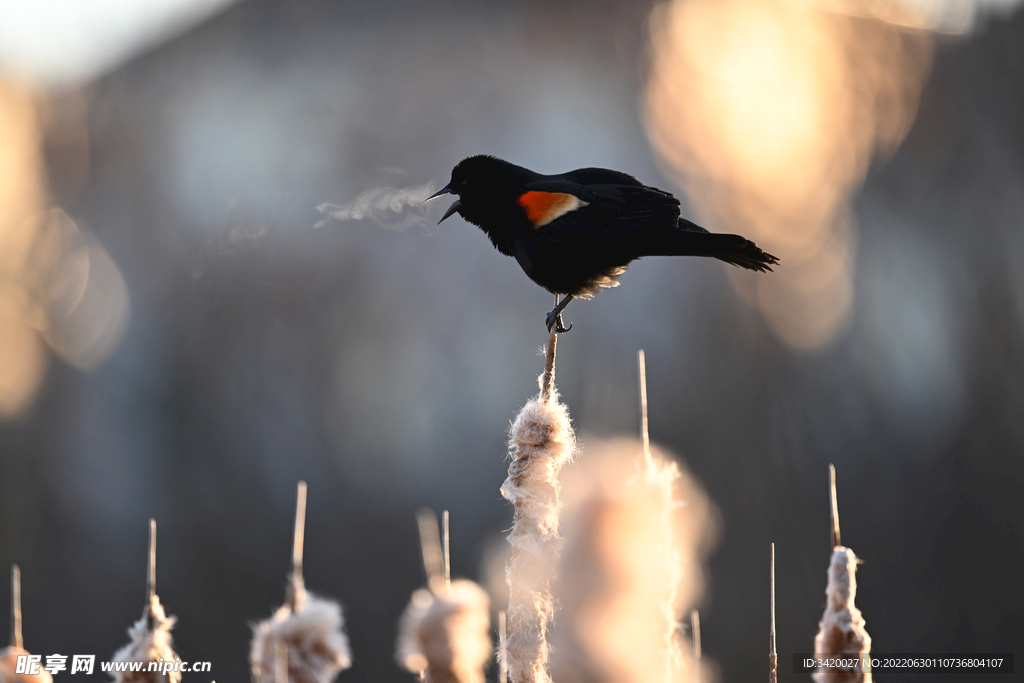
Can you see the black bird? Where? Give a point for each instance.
(576, 232)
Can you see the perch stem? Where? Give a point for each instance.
(695, 633)
(151, 574)
(502, 649)
(833, 506)
(773, 661)
(296, 585)
(16, 641)
(447, 552)
(549, 367)
(644, 436)
(430, 546)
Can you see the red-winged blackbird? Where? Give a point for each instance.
(576, 232)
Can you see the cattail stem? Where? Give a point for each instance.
(296, 585)
(16, 640)
(430, 545)
(654, 474)
(300, 529)
(834, 506)
(773, 660)
(644, 435)
(151, 574)
(447, 551)
(548, 380)
(502, 649)
(695, 634)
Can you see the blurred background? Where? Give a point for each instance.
(178, 341)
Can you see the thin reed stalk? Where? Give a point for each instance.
(9, 655)
(773, 659)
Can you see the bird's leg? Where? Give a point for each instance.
(554, 316)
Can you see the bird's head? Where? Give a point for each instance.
(485, 186)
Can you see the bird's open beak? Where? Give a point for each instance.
(451, 209)
(444, 190)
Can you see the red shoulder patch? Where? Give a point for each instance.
(543, 207)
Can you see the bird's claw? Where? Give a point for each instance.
(554, 322)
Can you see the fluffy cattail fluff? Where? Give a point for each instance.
(9, 666)
(446, 636)
(541, 441)
(637, 533)
(310, 636)
(841, 631)
(150, 642)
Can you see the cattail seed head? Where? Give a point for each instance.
(541, 442)
(446, 636)
(313, 641)
(637, 533)
(842, 631)
(150, 642)
(9, 667)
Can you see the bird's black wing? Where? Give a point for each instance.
(599, 176)
(612, 223)
(581, 213)
(643, 201)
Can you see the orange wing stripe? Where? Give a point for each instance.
(543, 207)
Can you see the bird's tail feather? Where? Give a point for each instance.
(734, 249)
